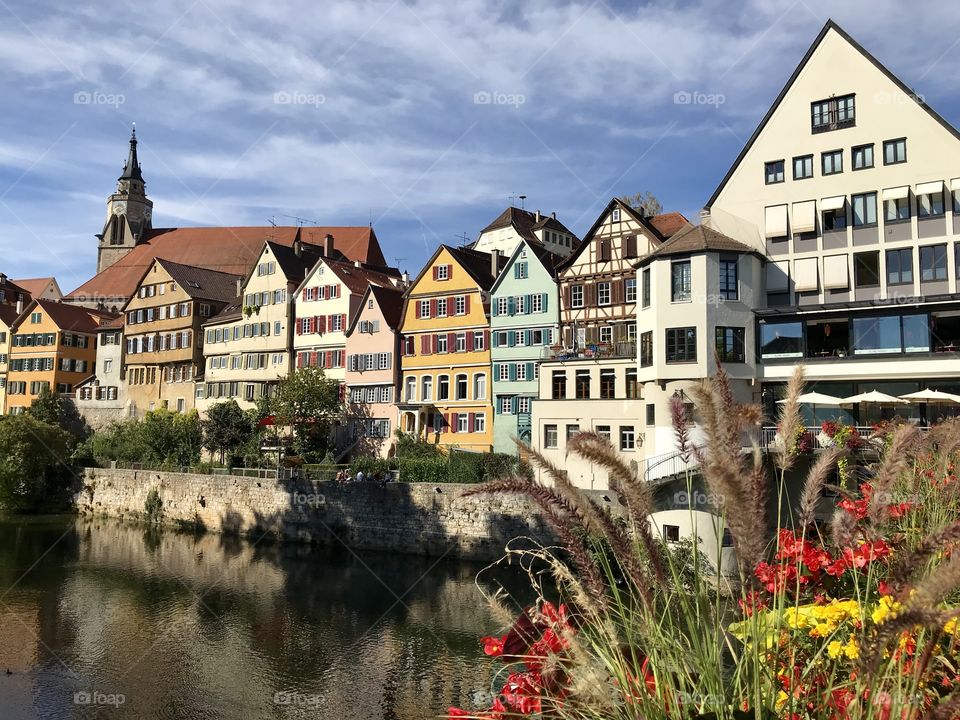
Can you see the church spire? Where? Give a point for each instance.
(131, 170)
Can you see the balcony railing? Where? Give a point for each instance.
(813, 437)
(596, 351)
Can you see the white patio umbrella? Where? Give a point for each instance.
(815, 398)
(932, 396)
(874, 396)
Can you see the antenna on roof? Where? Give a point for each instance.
(523, 199)
(301, 221)
(397, 261)
(272, 220)
(512, 198)
(464, 238)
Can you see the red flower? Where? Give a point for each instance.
(454, 712)
(493, 646)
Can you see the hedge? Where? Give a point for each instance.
(426, 470)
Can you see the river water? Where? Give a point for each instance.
(100, 619)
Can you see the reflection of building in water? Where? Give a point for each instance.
(20, 630)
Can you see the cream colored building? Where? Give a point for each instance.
(247, 347)
(102, 398)
(515, 224)
(851, 188)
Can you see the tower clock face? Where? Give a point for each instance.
(119, 208)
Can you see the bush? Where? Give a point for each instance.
(161, 438)
(370, 465)
(465, 467)
(153, 506)
(34, 474)
(498, 465)
(427, 470)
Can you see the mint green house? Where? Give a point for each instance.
(524, 323)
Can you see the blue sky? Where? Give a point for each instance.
(422, 116)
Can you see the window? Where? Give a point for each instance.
(671, 533)
(460, 305)
(520, 271)
(505, 404)
(441, 307)
(894, 151)
(480, 422)
(832, 162)
(864, 209)
(536, 302)
(603, 293)
(835, 219)
(866, 269)
(478, 341)
(443, 272)
(606, 334)
(627, 438)
(441, 343)
(463, 423)
(576, 296)
(730, 344)
(933, 263)
(681, 345)
(630, 290)
(615, 215)
(523, 405)
(680, 281)
(646, 349)
(603, 431)
(480, 387)
(550, 436)
(896, 210)
(460, 387)
(862, 157)
(877, 335)
(559, 384)
(572, 431)
(503, 373)
(426, 388)
(651, 413)
(900, 266)
(503, 306)
(773, 172)
(423, 309)
(36, 317)
(582, 384)
(608, 384)
(461, 342)
(645, 279)
(803, 167)
(108, 365)
(832, 114)
(728, 278)
(443, 387)
(929, 204)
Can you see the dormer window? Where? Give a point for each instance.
(615, 215)
(832, 114)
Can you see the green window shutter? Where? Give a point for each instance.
(528, 304)
(527, 337)
(513, 371)
(516, 271)
(545, 296)
(512, 338)
(495, 340)
(529, 371)
(512, 306)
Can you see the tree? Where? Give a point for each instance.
(161, 438)
(226, 428)
(34, 463)
(309, 402)
(51, 408)
(646, 202)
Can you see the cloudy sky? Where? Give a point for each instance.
(424, 116)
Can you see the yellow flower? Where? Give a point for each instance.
(834, 649)
(885, 608)
(822, 629)
(951, 627)
(851, 650)
(782, 699)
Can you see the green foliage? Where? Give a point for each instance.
(34, 457)
(161, 438)
(226, 429)
(153, 506)
(308, 401)
(465, 467)
(427, 470)
(499, 465)
(49, 407)
(370, 466)
(408, 446)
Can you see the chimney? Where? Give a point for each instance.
(298, 246)
(19, 305)
(3, 279)
(553, 215)
(356, 263)
(239, 286)
(495, 263)
(539, 216)
(328, 245)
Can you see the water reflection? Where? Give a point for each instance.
(207, 626)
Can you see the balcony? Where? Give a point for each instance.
(591, 351)
(814, 438)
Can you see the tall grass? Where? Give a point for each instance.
(853, 618)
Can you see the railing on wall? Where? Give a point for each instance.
(667, 465)
(813, 437)
(596, 351)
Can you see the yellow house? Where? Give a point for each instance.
(445, 390)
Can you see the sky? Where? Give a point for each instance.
(424, 117)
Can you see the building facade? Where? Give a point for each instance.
(373, 370)
(445, 392)
(45, 288)
(514, 225)
(850, 188)
(163, 335)
(54, 347)
(248, 346)
(8, 316)
(524, 324)
(102, 397)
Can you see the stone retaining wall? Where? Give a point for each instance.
(415, 518)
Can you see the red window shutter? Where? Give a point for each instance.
(322, 324)
(434, 342)
(328, 360)
(343, 322)
(299, 324)
(449, 272)
(486, 340)
(452, 422)
(311, 358)
(466, 304)
(470, 418)
(305, 293)
(451, 342)
(452, 305)
(429, 422)
(403, 346)
(566, 296)
(433, 307)
(424, 344)
(436, 272)
(299, 360)
(342, 392)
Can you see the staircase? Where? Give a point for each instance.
(668, 466)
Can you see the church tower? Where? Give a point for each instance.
(129, 213)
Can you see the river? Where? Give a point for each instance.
(110, 620)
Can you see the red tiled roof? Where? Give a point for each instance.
(71, 317)
(696, 239)
(34, 286)
(224, 249)
(670, 223)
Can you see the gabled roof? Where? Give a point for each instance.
(225, 249)
(477, 265)
(390, 301)
(201, 283)
(830, 25)
(10, 287)
(357, 279)
(35, 286)
(8, 314)
(294, 267)
(233, 311)
(669, 224)
(547, 259)
(526, 222)
(698, 239)
(69, 317)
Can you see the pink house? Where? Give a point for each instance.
(372, 375)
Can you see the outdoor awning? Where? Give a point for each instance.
(897, 193)
(805, 276)
(955, 184)
(778, 276)
(804, 216)
(928, 188)
(816, 398)
(835, 275)
(833, 203)
(932, 396)
(776, 221)
(874, 396)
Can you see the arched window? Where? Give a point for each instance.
(480, 386)
(443, 387)
(461, 387)
(117, 231)
(426, 388)
(410, 392)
